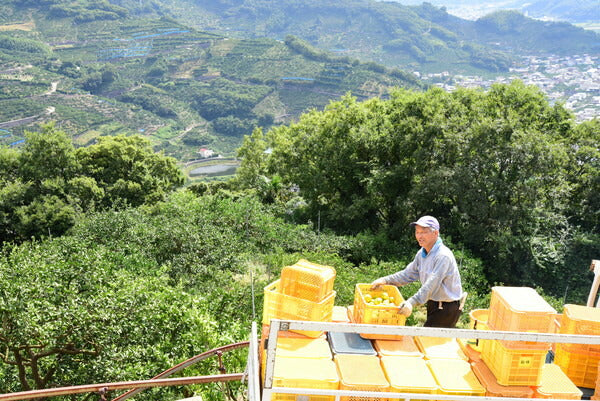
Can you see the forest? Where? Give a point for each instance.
(111, 269)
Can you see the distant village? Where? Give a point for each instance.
(571, 80)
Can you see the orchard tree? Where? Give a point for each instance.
(73, 312)
(48, 184)
(127, 169)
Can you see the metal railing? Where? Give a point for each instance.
(284, 325)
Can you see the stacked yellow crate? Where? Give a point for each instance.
(304, 292)
(520, 309)
(579, 361)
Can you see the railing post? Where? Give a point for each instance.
(595, 267)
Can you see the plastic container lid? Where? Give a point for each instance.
(350, 343)
(303, 348)
(454, 376)
(556, 384)
(340, 314)
(408, 374)
(304, 369)
(405, 346)
(523, 299)
(493, 388)
(440, 347)
(360, 371)
(582, 313)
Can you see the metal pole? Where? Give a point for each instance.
(104, 387)
(595, 267)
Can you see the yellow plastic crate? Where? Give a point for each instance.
(290, 347)
(378, 314)
(305, 373)
(521, 309)
(478, 320)
(472, 354)
(455, 377)
(408, 374)
(556, 385)
(307, 280)
(361, 373)
(582, 369)
(440, 347)
(281, 306)
(406, 346)
(495, 389)
(585, 320)
(513, 367)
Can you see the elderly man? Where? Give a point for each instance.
(435, 267)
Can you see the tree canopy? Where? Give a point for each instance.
(48, 183)
(497, 168)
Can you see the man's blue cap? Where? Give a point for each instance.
(427, 221)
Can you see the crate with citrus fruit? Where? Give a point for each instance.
(378, 306)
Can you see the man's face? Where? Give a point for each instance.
(426, 237)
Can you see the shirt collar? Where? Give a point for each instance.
(433, 249)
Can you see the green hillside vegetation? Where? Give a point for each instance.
(424, 37)
(183, 89)
(123, 274)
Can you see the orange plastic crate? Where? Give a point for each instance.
(521, 309)
(307, 280)
(378, 314)
(495, 389)
(281, 306)
(585, 320)
(361, 373)
(513, 367)
(582, 369)
(305, 373)
(556, 385)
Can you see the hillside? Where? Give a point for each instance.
(96, 70)
(421, 37)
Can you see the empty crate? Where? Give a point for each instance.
(408, 374)
(520, 309)
(307, 280)
(455, 377)
(305, 373)
(282, 306)
(495, 389)
(361, 373)
(556, 385)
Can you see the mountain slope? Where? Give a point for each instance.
(96, 69)
(418, 37)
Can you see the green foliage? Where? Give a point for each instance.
(494, 166)
(47, 185)
(128, 170)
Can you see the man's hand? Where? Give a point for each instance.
(405, 308)
(378, 283)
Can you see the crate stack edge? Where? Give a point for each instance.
(580, 361)
(303, 292)
(521, 309)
